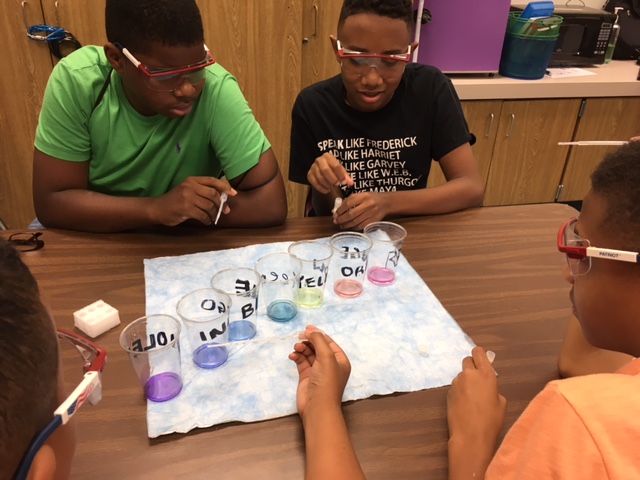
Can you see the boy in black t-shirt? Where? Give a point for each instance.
(370, 133)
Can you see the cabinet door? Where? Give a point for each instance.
(527, 162)
(320, 19)
(82, 18)
(260, 43)
(482, 117)
(602, 119)
(22, 83)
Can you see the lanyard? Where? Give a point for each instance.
(61, 43)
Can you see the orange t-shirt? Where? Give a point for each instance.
(580, 428)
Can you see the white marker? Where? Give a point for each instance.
(336, 204)
(223, 198)
(589, 143)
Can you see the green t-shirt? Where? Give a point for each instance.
(134, 155)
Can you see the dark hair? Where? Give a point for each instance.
(28, 360)
(617, 181)
(138, 23)
(400, 9)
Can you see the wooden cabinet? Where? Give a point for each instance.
(517, 147)
(527, 161)
(601, 119)
(482, 117)
(27, 64)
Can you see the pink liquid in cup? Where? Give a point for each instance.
(381, 276)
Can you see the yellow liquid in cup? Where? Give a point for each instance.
(310, 297)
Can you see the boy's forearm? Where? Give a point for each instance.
(452, 196)
(468, 460)
(89, 211)
(328, 447)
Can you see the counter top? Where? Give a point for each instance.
(616, 79)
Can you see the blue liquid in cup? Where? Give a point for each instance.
(163, 387)
(282, 310)
(210, 356)
(241, 330)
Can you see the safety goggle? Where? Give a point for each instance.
(359, 63)
(579, 251)
(169, 79)
(90, 388)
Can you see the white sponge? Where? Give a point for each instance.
(96, 318)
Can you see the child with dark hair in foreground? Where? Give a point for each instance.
(582, 427)
(29, 374)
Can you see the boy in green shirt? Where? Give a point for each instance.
(140, 132)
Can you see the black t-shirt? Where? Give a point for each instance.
(386, 150)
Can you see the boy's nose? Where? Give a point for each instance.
(185, 90)
(372, 77)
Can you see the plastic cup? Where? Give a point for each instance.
(349, 264)
(153, 345)
(279, 290)
(205, 314)
(242, 285)
(315, 257)
(387, 240)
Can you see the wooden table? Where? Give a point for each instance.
(496, 270)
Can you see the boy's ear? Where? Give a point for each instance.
(334, 46)
(114, 56)
(44, 465)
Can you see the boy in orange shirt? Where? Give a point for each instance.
(582, 427)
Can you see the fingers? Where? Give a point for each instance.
(326, 173)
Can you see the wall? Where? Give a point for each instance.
(588, 3)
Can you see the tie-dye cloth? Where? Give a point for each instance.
(399, 338)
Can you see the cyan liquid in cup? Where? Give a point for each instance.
(282, 310)
(279, 289)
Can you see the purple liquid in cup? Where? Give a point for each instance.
(163, 387)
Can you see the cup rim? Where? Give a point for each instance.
(235, 294)
(391, 225)
(198, 321)
(315, 242)
(295, 274)
(139, 320)
(350, 234)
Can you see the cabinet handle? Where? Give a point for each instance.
(513, 120)
(491, 115)
(315, 21)
(24, 15)
(56, 6)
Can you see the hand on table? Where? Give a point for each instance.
(196, 198)
(323, 370)
(326, 173)
(475, 409)
(360, 209)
